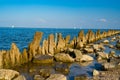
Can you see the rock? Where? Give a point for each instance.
(106, 41)
(95, 72)
(118, 44)
(62, 57)
(86, 58)
(14, 55)
(7, 74)
(51, 44)
(114, 38)
(62, 67)
(25, 56)
(81, 37)
(98, 47)
(34, 45)
(43, 59)
(2, 58)
(38, 77)
(67, 39)
(80, 78)
(112, 54)
(60, 43)
(89, 50)
(31, 70)
(46, 72)
(57, 77)
(103, 55)
(79, 45)
(78, 55)
(107, 66)
(45, 47)
(20, 77)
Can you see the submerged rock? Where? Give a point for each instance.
(46, 72)
(43, 59)
(57, 77)
(102, 55)
(62, 57)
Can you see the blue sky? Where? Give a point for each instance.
(60, 13)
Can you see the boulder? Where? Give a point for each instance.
(112, 54)
(98, 47)
(79, 45)
(106, 41)
(62, 57)
(7, 74)
(43, 59)
(78, 55)
(38, 77)
(95, 72)
(57, 77)
(20, 77)
(34, 45)
(86, 58)
(89, 50)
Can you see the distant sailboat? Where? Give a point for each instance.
(13, 26)
(74, 27)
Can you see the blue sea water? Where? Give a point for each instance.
(23, 36)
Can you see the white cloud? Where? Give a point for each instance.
(102, 20)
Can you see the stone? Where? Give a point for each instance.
(1, 58)
(86, 58)
(106, 41)
(80, 77)
(45, 47)
(81, 37)
(38, 77)
(112, 54)
(62, 57)
(34, 45)
(51, 44)
(95, 72)
(103, 55)
(89, 50)
(78, 55)
(107, 66)
(14, 55)
(25, 56)
(20, 77)
(43, 59)
(118, 44)
(46, 72)
(60, 43)
(62, 67)
(7, 74)
(57, 77)
(67, 39)
(80, 45)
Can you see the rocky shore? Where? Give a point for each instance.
(63, 50)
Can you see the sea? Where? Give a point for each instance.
(23, 36)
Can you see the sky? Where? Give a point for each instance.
(60, 13)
